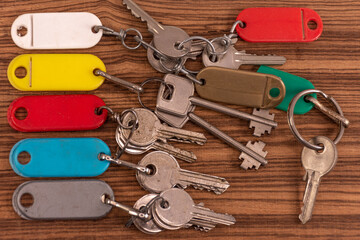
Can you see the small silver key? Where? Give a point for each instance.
(166, 173)
(234, 59)
(316, 164)
(178, 209)
(166, 38)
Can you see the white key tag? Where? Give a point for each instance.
(56, 30)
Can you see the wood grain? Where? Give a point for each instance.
(266, 203)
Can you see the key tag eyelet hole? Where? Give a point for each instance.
(164, 204)
(312, 25)
(21, 113)
(243, 25)
(274, 92)
(95, 72)
(152, 169)
(95, 30)
(21, 31)
(203, 81)
(20, 72)
(26, 200)
(104, 197)
(24, 158)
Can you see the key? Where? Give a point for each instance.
(316, 164)
(178, 210)
(166, 173)
(148, 226)
(150, 129)
(233, 59)
(63, 199)
(166, 38)
(261, 128)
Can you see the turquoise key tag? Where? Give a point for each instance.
(60, 157)
(293, 85)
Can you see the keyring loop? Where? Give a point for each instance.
(138, 34)
(238, 22)
(145, 82)
(291, 122)
(133, 127)
(198, 38)
(100, 109)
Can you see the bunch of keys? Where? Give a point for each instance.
(92, 199)
(319, 155)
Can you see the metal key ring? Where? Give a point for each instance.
(138, 35)
(291, 122)
(145, 82)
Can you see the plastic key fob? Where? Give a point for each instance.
(56, 72)
(64, 199)
(59, 157)
(57, 113)
(279, 25)
(293, 85)
(56, 30)
(240, 87)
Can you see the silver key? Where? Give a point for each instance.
(316, 164)
(234, 59)
(150, 129)
(167, 174)
(149, 226)
(179, 210)
(166, 38)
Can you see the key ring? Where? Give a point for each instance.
(337, 116)
(147, 81)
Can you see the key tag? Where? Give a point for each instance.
(279, 25)
(61, 72)
(63, 200)
(293, 85)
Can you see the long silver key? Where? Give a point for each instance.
(166, 173)
(178, 209)
(166, 38)
(234, 59)
(316, 164)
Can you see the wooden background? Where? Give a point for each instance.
(266, 203)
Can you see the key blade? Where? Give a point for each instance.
(243, 58)
(312, 185)
(176, 152)
(153, 26)
(201, 181)
(206, 214)
(181, 135)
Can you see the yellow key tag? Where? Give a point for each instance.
(56, 72)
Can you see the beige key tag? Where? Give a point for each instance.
(240, 87)
(56, 30)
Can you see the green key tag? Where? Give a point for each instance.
(293, 85)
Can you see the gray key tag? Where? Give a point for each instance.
(62, 200)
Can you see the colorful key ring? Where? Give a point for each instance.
(338, 116)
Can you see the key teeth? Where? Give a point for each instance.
(132, 11)
(209, 188)
(248, 161)
(260, 128)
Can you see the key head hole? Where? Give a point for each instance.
(21, 113)
(26, 200)
(24, 158)
(21, 31)
(167, 94)
(131, 124)
(152, 169)
(156, 56)
(321, 150)
(312, 25)
(20, 72)
(274, 92)
(164, 204)
(177, 44)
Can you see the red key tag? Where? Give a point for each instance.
(57, 113)
(279, 25)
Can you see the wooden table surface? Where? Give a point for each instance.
(266, 202)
